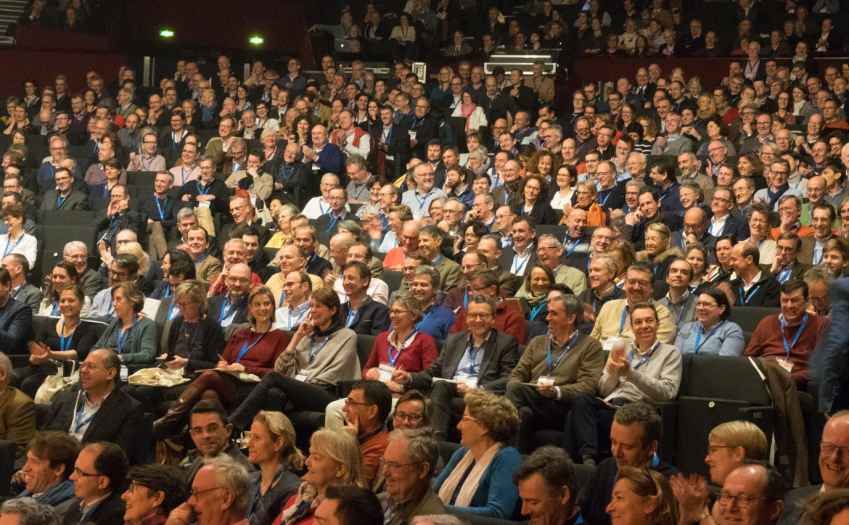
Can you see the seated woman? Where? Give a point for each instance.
(564, 187)
(534, 192)
(586, 198)
(250, 350)
(321, 353)
(760, 231)
(711, 333)
(163, 289)
(16, 240)
(658, 252)
(283, 235)
(469, 108)
(334, 459)
(479, 477)
(538, 283)
(272, 448)
(130, 335)
(642, 496)
(412, 350)
(722, 270)
(697, 255)
(63, 276)
(112, 172)
(473, 232)
(66, 340)
(195, 342)
(152, 493)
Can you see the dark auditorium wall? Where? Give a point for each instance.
(43, 66)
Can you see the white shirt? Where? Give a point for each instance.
(288, 318)
(25, 244)
(717, 225)
(317, 207)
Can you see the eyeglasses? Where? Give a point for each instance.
(131, 488)
(478, 317)
(394, 467)
(720, 199)
(81, 474)
(398, 312)
(196, 493)
(742, 501)
(706, 305)
(121, 275)
(350, 402)
(830, 448)
(412, 418)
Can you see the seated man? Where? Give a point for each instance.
(409, 463)
(540, 365)
(243, 213)
(752, 287)
(790, 213)
(17, 411)
(786, 265)
(550, 253)
(338, 201)
(613, 321)
(481, 357)
(99, 502)
(469, 263)
(297, 289)
(833, 463)
(430, 245)
(50, 462)
(235, 252)
(791, 336)
(634, 438)
(603, 289)
(231, 308)
(361, 313)
(438, 320)
(15, 320)
(210, 430)
(510, 320)
(408, 244)
(318, 206)
(221, 494)
(305, 237)
(290, 258)
(366, 409)
(344, 505)
(207, 267)
(548, 487)
(651, 372)
(761, 485)
(124, 268)
(64, 197)
(99, 411)
(377, 288)
(23, 292)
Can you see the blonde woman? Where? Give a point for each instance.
(642, 497)
(658, 251)
(335, 459)
(272, 448)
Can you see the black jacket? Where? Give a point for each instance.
(525, 101)
(75, 201)
(108, 512)
(507, 261)
(212, 335)
(108, 227)
(500, 356)
(637, 234)
(767, 292)
(426, 129)
(371, 319)
(317, 265)
(119, 421)
(16, 327)
(325, 223)
(221, 204)
(215, 305)
(495, 108)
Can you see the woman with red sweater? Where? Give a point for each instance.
(250, 350)
(402, 348)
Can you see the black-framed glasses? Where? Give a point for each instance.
(742, 500)
(82, 474)
(412, 418)
(196, 493)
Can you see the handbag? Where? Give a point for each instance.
(56, 383)
(161, 377)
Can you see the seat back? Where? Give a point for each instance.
(393, 280)
(749, 317)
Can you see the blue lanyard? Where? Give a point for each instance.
(426, 315)
(283, 172)
(606, 197)
(164, 204)
(529, 211)
(552, 368)
(785, 273)
(537, 310)
(670, 305)
(466, 298)
(795, 339)
(60, 200)
(321, 208)
(183, 175)
(352, 316)
(473, 357)
(333, 221)
(300, 316)
(645, 359)
(392, 358)
(317, 350)
(126, 335)
(81, 424)
(203, 191)
(574, 245)
(665, 194)
(357, 194)
(519, 267)
(746, 298)
(422, 201)
(622, 322)
(9, 240)
(56, 307)
(256, 497)
(225, 313)
(245, 348)
(699, 335)
(387, 137)
(62, 345)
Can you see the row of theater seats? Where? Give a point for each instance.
(713, 390)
